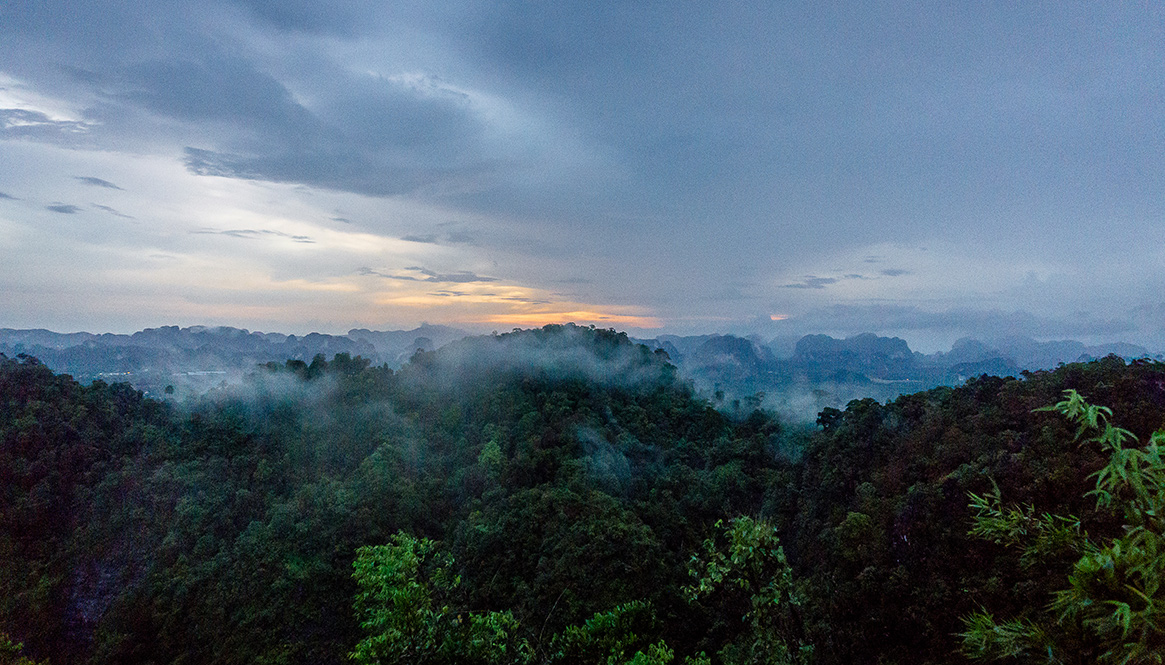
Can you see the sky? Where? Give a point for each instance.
(928, 170)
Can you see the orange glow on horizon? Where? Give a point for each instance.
(536, 319)
(510, 305)
(779, 317)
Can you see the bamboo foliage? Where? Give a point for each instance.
(1113, 609)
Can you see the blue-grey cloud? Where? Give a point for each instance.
(253, 234)
(451, 238)
(218, 86)
(461, 276)
(527, 301)
(112, 211)
(35, 125)
(427, 239)
(210, 163)
(812, 282)
(983, 323)
(96, 182)
(64, 208)
(5, 195)
(461, 238)
(337, 17)
(678, 149)
(426, 275)
(369, 134)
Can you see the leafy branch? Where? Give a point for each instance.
(1113, 609)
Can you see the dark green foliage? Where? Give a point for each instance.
(10, 652)
(408, 607)
(574, 477)
(1113, 610)
(570, 484)
(613, 636)
(878, 531)
(745, 574)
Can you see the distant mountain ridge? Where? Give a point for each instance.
(199, 357)
(797, 378)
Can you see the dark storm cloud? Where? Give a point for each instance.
(96, 182)
(366, 134)
(64, 208)
(375, 137)
(218, 86)
(791, 100)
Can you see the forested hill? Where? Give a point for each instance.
(559, 495)
(574, 476)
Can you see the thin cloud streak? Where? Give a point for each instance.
(97, 182)
(254, 234)
(112, 211)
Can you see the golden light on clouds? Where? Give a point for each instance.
(493, 303)
(535, 319)
(779, 317)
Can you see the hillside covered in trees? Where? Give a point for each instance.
(545, 496)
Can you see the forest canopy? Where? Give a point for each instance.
(553, 495)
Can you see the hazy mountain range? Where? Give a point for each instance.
(795, 376)
(199, 357)
(800, 376)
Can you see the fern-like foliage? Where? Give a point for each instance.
(1113, 609)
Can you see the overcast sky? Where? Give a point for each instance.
(928, 170)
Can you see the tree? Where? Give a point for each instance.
(10, 652)
(1113, 609)
(611, 638)
(751, 562)
(403, 603)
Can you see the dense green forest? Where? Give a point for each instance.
(549, 496)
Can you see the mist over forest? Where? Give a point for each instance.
(796, 377)
(571, 495)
